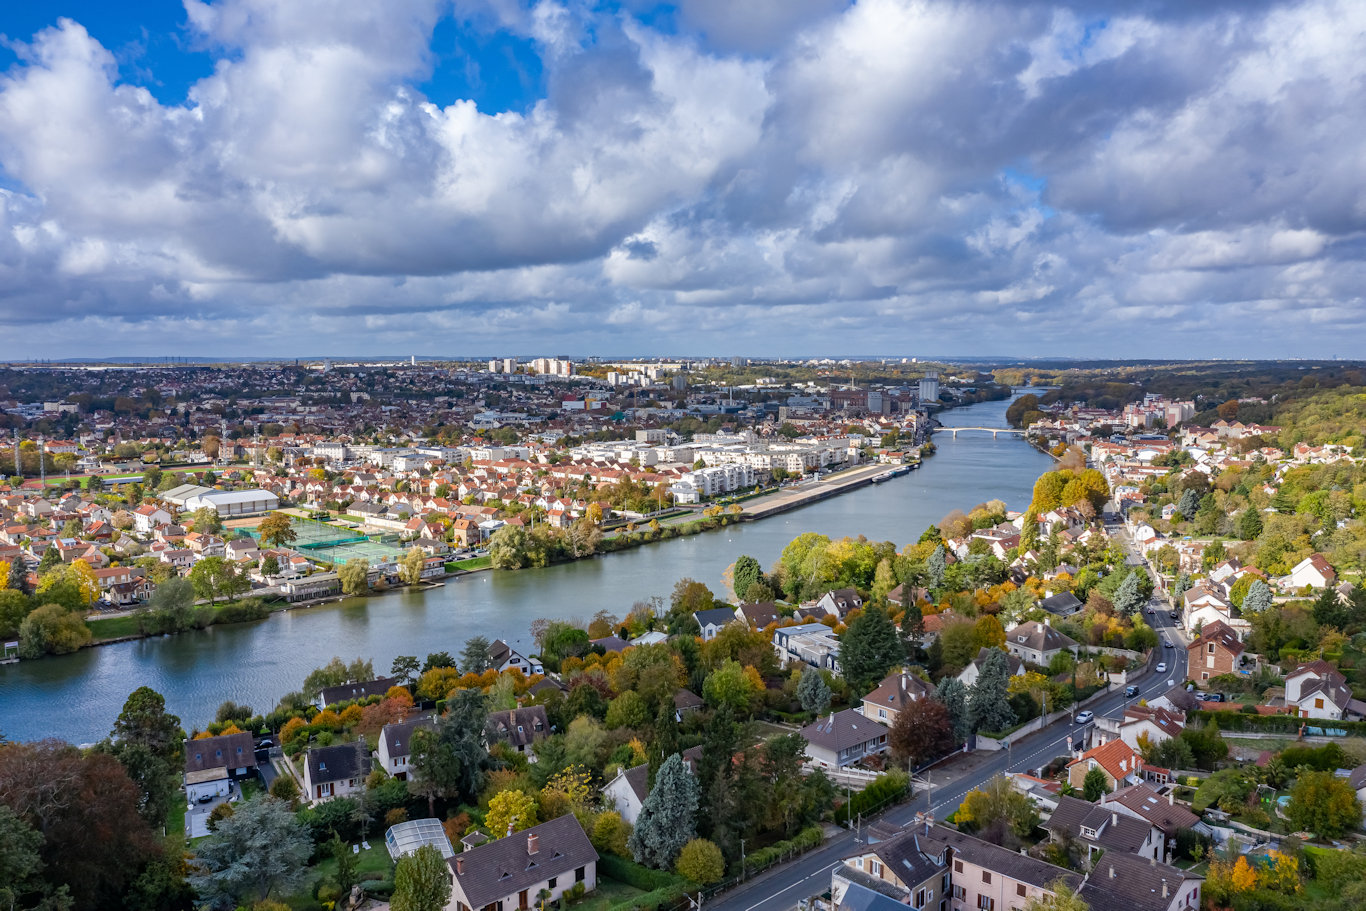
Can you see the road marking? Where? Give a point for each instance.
(822, 872)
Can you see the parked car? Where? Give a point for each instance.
(1210, 697)
(1162, 668)
(1085, 717)
(1130, 691)
(1166, 643)
(1171, 615)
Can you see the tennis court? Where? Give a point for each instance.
(373, 551)
(311, 534)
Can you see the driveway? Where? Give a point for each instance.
(197, 816)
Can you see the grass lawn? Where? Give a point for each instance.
(113, 627)
(473, 563)
(175, 821)
(376, 860)
(609, 892)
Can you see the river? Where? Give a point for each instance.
(77, 697)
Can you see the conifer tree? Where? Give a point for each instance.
(668, 817)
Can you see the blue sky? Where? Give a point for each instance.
(1099, 178)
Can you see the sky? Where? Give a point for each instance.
(1100, 178)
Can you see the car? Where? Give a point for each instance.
(1166, 643)
(1171, 615)
(1130, 691)
(1149, 609)
(1210, 697)
(205, 798)
(1162, 668)
(1085, 717)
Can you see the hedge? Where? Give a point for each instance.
(888, 788)
(1278, 724)
(804, 840)
(636, 875)
(655, 898)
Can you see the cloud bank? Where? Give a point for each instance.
(769, 178)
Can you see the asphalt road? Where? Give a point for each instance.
(782, 886)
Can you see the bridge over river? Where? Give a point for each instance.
(991, 430)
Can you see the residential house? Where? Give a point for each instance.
(896, 691)
(519, 871)
(1038, 643)
(318, 585)
(1063, 604)
(212, 763)
(711, 621)
(519, 728)
(1357, 779)
(758, 614)
(1117, 759)
(843, 738)
(347, 692)
(147, 517)
(685, 703)
(1103, 830)
(628, 790)
(1311, 572)
(335, 771)
(814, 644)
(839, 602)
(505, 658)
(1217, 651)
(1128, 881)
(1140, 723)
(395, 749)
(1318, 690)
(1143, 801)
(969, 674)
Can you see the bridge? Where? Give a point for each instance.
(991, 430)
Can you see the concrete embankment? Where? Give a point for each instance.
(794, 497)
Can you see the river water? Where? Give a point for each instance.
(77, 697)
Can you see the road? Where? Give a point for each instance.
(780, 887)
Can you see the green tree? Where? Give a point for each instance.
(1258, 598)
(262, 849)
(996, 809)
(627, 711)
(1250, 524)
(953, 694)
(355, 575)
(14, 607)
(422, 881)
(148, 742)
(936, 566)
(20, 859)
(410, 567)
(813, 692)
(1189, 504)
(747, 572)
(477, 656)
(1095, 785)
(450, 760)
(277, 530)
(732, 686)
(214, 576)
(989, 701)
(1128, 598)
(869, 648)
(405, 668)
(206, 521)
(18, 576)
(52, 629)
(1060, 897)
(667, 819)
(270, 565)
(1324, 804)
(701, 862)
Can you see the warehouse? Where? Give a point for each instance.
(229, 503)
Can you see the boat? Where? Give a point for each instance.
(884, 476)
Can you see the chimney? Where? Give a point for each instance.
(1112, 871)
(1114, 818)
(533, 843)
(459, 865)
(1171, 798)
(1164, 888)
(1047, 621)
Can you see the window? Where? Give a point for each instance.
(551, 884)
(958, 866)
(1318, 703)
(920, 898)
(578, 875)
(986, 904)
(1020, 889)
(876, 867)
(986, 876)
(1211, 648)
(959, 892)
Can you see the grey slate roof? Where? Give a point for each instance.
(348, 691)
(227, 751)
(842, 730)
(507, 866)
(398, 736)
(1133, 883)
(519, 727)
(1115, 831)
(716, 616)
(1040, 637)
(1143, 799)
(1018, 867)
(338, 763)
(860, 898)
(1063, 604)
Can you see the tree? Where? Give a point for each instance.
(997, 812)
(1095, 785)
(667, 819)
(14, 607)
(450, 759)
(148, 742)
(270, 565)
(1250, 524)
(1324, 804)
(922, 731)
(354, 575)
(1128, 598)
(205, 521)
(17, 579)
(52, 629)
(410, 567)
(701, 862)
(510, 811)
(747, 572)
(1258, 598)
(1189, 504)
(285, 788)
(477, 656)
(989, 702)
(214, 576)
(936, 566)
(404, 668)
(732, 685)
(869, 648)
(1060, 897)
(277, 530)
(627, 711)
(20, 861)
(422, 881)
(261, 849)
(953, 695)
(813, 692)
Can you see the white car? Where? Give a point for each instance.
(1162, 668)
(1085, 717)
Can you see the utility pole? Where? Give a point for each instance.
(742, 860)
